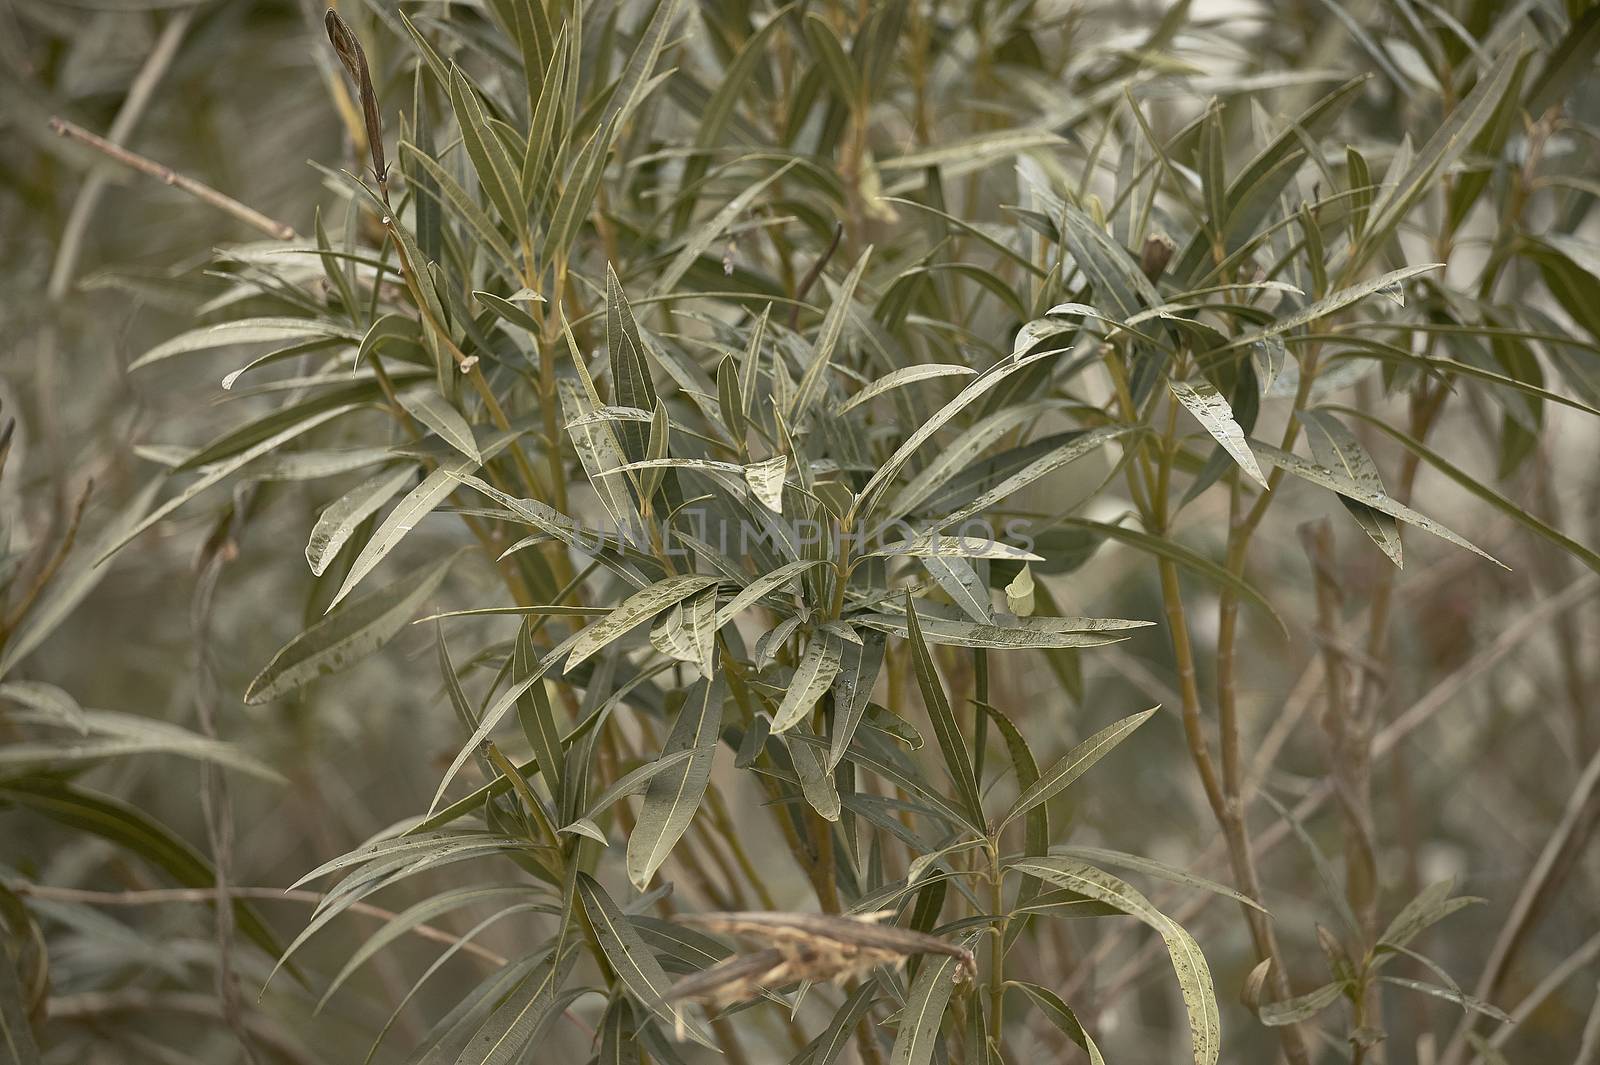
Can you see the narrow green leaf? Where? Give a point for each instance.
(1074, 764)
(810, 758)
(1194, 975)
(1159, 870)
(812, 381)
(1338, 482)
(674, 796)
(245, 331)
(1583, 554)
(902, 377)
(1301, 1007)
(433, 410)
(1332, 302)
(813, 676)
(344, 515)
(633, 961)
(1333, 445)
(498, 176)
(415, 505)
(348, 635)
(917, 1037)
(1211, 410)
(952, 744)
(703, 237)
(1441, 150)
(1060, 1014)
(633, 611)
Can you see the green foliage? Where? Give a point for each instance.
(767, 376)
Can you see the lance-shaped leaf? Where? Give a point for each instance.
(1020, 633)
(1301, 1007)
(1159, 870)
(110, 734)
(902, 377)
(985, 382)
(50, 702)
(595, 440)
(634, 610)
(631, 383)
(951, 742)
(1333, 445)
(349, 634)
(522, 1014)
(537, 716)
(810, 757)
(426, 910)
(1078, 446)
(1194, 975)
(1583, 554)
(462, 206)
(763, 585)
(931, 546)
(811, 383)
(1060, 1014)
(1330, 303)
(674, 796)
(1449, 140)
(813, 676)
(1074, 764)
(1338, 482)
(958, 453)
(765, 479)
(830, 1043)
(412, 508)
(630, 783)
(632, 960)
(498, 175)
(687, 632)
(247, 331)
(1112, 272)
(917, 1037)
(216, 473)
(433, 410)
(1211, 410)
(859, 666)
(704, 235)
(963, 585)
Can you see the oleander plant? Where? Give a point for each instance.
(617, 528)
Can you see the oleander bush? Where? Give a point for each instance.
(751, 461)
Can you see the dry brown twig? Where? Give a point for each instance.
(806, 946)
(198, 189)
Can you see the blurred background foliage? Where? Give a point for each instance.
(1493, 788)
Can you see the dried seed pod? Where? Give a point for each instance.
(1156, 253)
(807, 946)
(354, 58)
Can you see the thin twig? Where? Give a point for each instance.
(93, 1004)
(201, 191)
(813, 274)
(1418, 714)
(216, 801)
(128, 115)
(1578, 961)
(1569, 838)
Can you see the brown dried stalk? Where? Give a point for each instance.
(805, 946)
(201, 191)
